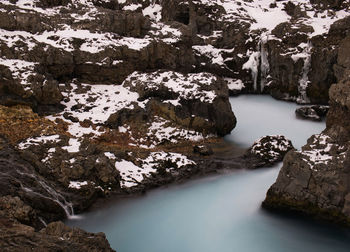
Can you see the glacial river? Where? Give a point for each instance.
(221, 213)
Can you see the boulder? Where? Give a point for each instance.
(267, 151)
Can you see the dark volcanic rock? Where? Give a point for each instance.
(197, 101)
(55, 237)
(203, 150)
(315, 181)
(314, 113)
(267, 151)
(21, 181)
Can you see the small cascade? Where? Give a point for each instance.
(258, 64)
(304, 80)
(43, 222)
(59, 199)
(51, 195)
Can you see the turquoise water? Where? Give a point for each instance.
(259, 115)
(222, 213)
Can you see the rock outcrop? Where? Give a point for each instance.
(315, 180)
(314, 113)
(195, 101)
(56, 236)
(267, 151)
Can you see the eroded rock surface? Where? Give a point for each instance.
(315, 180)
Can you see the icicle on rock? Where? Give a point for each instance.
(258, 64)
(304, 80)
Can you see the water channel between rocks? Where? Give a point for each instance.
(221, 213)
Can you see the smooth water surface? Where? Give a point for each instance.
(259, 115)
(219, 214)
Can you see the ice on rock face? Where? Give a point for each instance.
(264, 61)
(304, 80)
(253, 64)
(258, 63)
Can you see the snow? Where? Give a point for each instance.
(265, 17)
(154, 11)
(275, 145)
(110, 155)
(163, 133)
(101, 101)
(178, 160)
(234, 84)
(187, 86)
(77, 184)
(212, 53)
(11, 37)
(132, 7)
(21, 70)
(104, 100)
(38, 141)
(166, 33)
(257, 11)
(73, 146)
(63, 38)
(132, 175)
(320, 152)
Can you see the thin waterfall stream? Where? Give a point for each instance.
(220, 213)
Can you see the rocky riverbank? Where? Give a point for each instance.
(315, 180)
(111, 96)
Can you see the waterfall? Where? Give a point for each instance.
(258, 63)
(59, 199)
(304, 80)
(51, 195)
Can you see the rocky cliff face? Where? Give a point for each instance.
(293, 57)
(315, 180)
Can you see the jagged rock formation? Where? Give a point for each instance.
(315, 180)
(45, 42)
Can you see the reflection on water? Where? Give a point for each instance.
(219, 213)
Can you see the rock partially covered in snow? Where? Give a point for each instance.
(268, 150)
(196, 101)
(315, 181)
